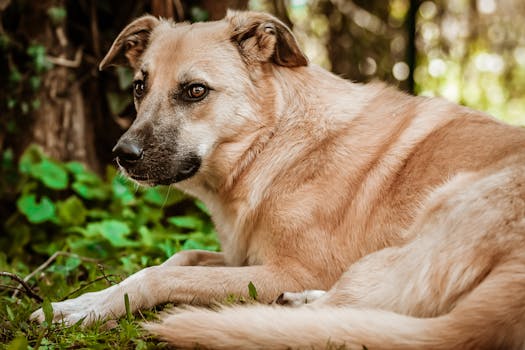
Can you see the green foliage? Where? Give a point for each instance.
(36, 212)
(87, 215)
(104, 229)
(198, 14)
(57, 14)
(38, 53)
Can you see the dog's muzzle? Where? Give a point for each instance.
(131, 158)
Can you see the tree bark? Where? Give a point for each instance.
(60, 125)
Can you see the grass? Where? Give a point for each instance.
(57, 282)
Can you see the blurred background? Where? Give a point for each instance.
(70, 223)
(469, 51)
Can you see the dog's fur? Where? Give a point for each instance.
(420, 201)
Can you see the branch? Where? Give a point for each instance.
(64, 62)
(48, 262)
(28, 290)
(100, 278)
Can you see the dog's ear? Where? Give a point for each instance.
(130, 44)
(264, 38)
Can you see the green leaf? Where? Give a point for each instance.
(52, 174)
(202, 207)
(36, 212)
(146, 237)
(162, 196)
(72, 262)
(199, 240)
(189, 222)
(75, 168)
(198, 14)
(57, 14)
(122, 190)
(87, 184)
(89, 191)
(128, 309)
(114, 231)
(19, 343)
(31, 157)
(48, 311)
(10, 313)
(89, 178)
(38, 53)
(252, 291)
(71, 211)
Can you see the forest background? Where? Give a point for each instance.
(69, 223)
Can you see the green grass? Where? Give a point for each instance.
(17, 332)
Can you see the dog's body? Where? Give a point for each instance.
(307, 176)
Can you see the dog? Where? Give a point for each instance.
(409, 210)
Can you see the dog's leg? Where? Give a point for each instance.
(178, 284)
(195, 258)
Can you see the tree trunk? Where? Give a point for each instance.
(60, 125)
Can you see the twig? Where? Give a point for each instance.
(6, 286)
(106, 277)
(23, 283)
(61, 36)
(49, 262)
(100, 278)
(64, 62)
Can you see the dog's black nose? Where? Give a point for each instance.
(127, 151)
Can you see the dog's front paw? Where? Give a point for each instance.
(87, 308)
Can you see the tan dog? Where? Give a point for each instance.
(420, 201)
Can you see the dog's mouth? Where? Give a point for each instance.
(186, 169)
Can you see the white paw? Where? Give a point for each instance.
(298, 299)
(88, 307)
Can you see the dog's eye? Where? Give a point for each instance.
(195, 92)
(138, 88)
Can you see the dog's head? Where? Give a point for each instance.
(195, 88)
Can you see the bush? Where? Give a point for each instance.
(66, 207)
(103, 229)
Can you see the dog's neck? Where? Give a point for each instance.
(285, 96)
(246, 159)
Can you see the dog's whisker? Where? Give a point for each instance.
(166, 197)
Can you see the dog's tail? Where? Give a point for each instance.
(491, 316)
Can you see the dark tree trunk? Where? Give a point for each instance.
(60, 124)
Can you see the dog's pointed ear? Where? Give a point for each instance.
(130, 44)
(264, 38)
